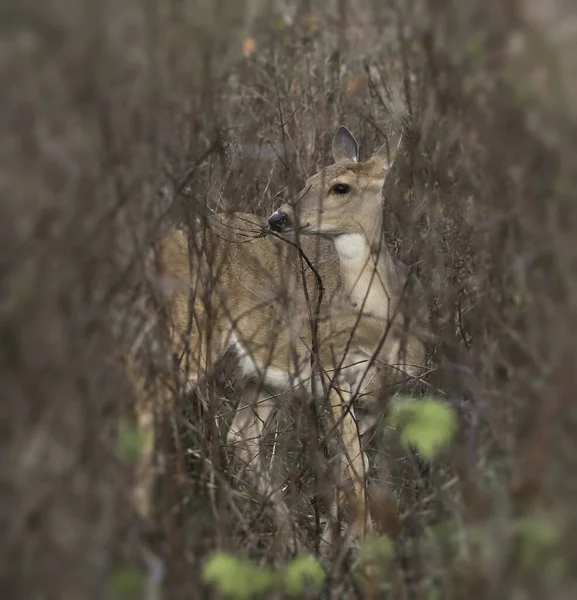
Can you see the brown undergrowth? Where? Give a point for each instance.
(123, 119)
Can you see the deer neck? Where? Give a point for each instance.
(367, 270)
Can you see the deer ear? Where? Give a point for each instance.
(385, 155)
(345, 146)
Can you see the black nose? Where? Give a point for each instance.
(278, 221)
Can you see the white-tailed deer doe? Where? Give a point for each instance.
(235, 284)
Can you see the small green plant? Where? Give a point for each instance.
(239, 579)
(235, 577)
(375, 550)
(301, 572)
(426, 424)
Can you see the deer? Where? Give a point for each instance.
(309, 301)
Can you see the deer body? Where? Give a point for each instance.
(238, 288)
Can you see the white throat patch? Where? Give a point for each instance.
(351, 246)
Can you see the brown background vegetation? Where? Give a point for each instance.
(121, 117)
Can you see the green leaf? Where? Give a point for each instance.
(428, 424)
(235, 577)
(300, 572)
(375, 549)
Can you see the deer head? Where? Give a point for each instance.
(343, 198)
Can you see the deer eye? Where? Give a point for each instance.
(341, 189)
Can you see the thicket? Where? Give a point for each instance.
(121, 119)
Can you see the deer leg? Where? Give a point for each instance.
(245, 436)
(353, 468)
